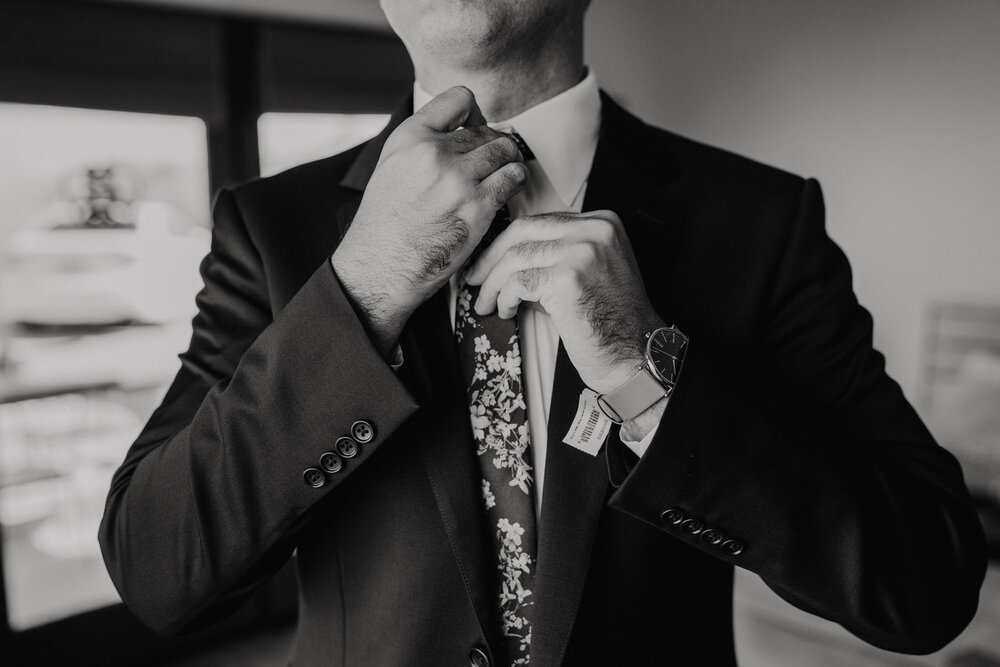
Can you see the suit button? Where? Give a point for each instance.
(712, 535)
(330, 462)
(347, 448)
(362, 431)
(692, 526)
(732, 547)
(672, 516)
(314, 477)
(478, 659)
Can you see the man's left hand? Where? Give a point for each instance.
(580, 268)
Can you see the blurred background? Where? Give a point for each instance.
(118, 120)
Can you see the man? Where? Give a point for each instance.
(359, 312)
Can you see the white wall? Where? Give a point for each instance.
(894, 105)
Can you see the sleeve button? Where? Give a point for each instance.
(362, 431)
(478, 659)
(732, 547)
(314, 477)
(692, 526)
(712, 535)
(347, 448)
(672, 516)
(330, 462)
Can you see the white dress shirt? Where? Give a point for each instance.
(562, 133)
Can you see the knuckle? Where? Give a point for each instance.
(435, 253)
(497, 153)
(516, 226)
(604, 231)
(569, 278)
(556, 219)
(608, 215)
(507, 148)
(529, 250)
(524, 250)
(463, 92)
(588, 251)
(529, 279)
(520, 172)
(469, 210)
(505, 186)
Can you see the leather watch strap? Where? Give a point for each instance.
(632, 398)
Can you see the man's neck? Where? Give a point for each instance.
(504, 90)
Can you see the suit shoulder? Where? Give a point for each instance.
(732, 195)
(312, 177)
(718, 169)
(729, 199)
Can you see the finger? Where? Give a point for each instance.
(546, 227)
(454, 108)
(496, 189)
(522, 257)
(602, 225)
(525, 285)
(467, 139)
(487, 158)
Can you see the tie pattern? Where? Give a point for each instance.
(490, 357)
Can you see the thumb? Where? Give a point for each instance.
(454, 108)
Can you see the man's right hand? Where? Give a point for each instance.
(441, 178)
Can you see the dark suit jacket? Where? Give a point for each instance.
(785, 434)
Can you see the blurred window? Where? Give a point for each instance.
(117, 121)
(103, 221)
(290, 139)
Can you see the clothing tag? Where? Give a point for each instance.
(590, 426)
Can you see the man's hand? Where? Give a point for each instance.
(580, 268)
(440, 180)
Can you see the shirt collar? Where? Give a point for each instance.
(562, 132)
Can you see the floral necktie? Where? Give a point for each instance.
(490, 358)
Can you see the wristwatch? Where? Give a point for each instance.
(656, 378)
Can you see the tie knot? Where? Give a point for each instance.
(522, 146)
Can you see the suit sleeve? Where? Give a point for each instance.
(810, 467)
(209, 498)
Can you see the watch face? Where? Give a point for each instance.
(666, 352)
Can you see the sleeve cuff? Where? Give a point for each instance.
(639, 447)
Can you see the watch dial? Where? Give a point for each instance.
(666, 352)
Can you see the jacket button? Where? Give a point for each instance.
(478, 659)
(732, 547)
(712, 535)
(330, 462)
(692, 526)
(362, 431)
(314, 477)
(347, 448)
(672, 516)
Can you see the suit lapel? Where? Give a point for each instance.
(449, 453)
(572, 497)
(643, 191)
